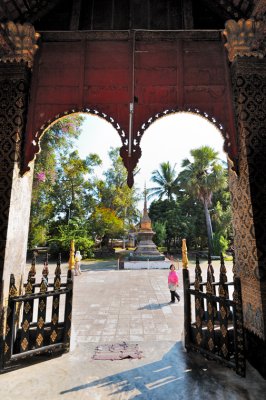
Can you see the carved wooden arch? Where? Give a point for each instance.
(227, 146)
(35, 143)
(130, 162)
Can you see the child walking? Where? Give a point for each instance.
(173, 283)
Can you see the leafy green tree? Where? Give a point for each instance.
(166, 180)
(220, 243)
(75, 229)
(222, 221)
(73, 192)
(114, 194)
(169, 214)
(71, 203)
(195, 233)
(201, 177)
(160, 233)
(106, 224)
(57, 140)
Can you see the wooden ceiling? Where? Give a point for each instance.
(25, 10)
(34, 10)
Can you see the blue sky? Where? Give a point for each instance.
(169, 139)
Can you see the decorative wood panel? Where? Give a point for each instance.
(107, 72)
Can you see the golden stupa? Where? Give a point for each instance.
(146, 249)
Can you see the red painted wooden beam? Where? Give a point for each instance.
(160, 74)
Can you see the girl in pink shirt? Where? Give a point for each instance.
(173, 283)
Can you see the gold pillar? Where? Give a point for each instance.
(71, 262)
(184, 254)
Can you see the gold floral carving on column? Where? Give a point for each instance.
(18, 42)
(245, 38)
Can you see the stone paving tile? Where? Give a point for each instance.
(138, 312)
(133, 313)
(165, 371)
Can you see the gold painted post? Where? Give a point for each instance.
(69, 296)
(71, 262)
(187, 300)
(184, 254)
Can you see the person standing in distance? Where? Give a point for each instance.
(78, 259)
(173, 283)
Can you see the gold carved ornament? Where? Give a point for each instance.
(245, 38)
(25, 325)
(210, 344)
(224, 350)
(39, 339)
(53, 336)
(24, 344)
(20, 42)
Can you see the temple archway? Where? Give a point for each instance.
(176, 130)
(134, 69)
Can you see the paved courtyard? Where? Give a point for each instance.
(112, 306)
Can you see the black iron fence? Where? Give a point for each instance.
(38, 321)
(213, 316)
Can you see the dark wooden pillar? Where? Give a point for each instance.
(248, 75)
(17, 47)
(14, 86)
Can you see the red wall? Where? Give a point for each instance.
(169, 74)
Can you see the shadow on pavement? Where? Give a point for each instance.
(154, 306)
(177, 375)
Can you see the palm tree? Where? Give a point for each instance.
(167, 183)
(201, 178)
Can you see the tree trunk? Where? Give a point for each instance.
(209, 226)
(105, 242)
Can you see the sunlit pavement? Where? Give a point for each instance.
(112, 306)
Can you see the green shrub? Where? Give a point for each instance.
(220, 244)
(60, 243)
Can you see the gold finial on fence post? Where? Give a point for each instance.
(71, 262)
(184, 254)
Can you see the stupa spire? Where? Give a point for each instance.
(145, 210)
(145, 223)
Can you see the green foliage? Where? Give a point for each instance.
(106, 222)
(38, 235)
(56, 140)
(60, 242)
(201, 178)
(222, 219)
(195, 223)
(60, 245)
(70, 202)
(166, 180)
(116, 210)
(170, 215)
(202, 182)
(72, 189)
(204, 175)
(160, 233)
(220, 244)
